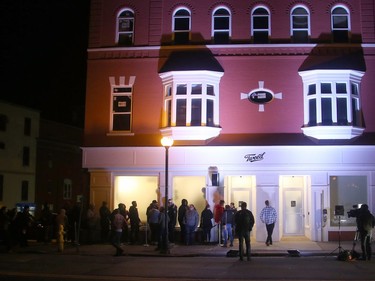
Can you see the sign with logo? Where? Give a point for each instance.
(261, 96)
(252, 157)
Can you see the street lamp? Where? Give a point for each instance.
(167, 142)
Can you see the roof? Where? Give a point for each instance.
(191, 60)
(343, 57)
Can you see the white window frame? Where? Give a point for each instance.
(229, 29)
(254, 16)
(292, 29)
(118, 18)
(347, 15)
(116, 91)
(171, 81)
(334, 131)
(67, 189)
(176, 17)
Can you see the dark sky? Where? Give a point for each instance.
(43, 56)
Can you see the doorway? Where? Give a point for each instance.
(293, 198)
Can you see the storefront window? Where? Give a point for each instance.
(346, 191)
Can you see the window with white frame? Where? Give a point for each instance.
(181, 26)
(332, 108)
(340, 24)
(300, 25)
(260, 25)
(191, 104)
(121, 105)
(221, 25)
(125, 28)
(67, 189)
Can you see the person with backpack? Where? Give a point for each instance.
(244, 221)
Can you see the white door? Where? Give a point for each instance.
(239, 195)
(293, 212)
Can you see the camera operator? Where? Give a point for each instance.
(365, 223)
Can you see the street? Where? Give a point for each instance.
(34, 266)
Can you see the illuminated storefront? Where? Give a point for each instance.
(264, 101)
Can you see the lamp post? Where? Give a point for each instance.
(167, 142)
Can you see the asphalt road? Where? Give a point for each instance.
(56, 267)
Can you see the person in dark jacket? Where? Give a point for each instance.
(244, 221)
(172, 214)
(180, 216)
(228, 224)
(134, 223)
(206, 223)
(365, 223)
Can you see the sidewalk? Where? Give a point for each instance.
(303, 246)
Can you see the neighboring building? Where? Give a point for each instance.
(60, 179)
(19, 129)
(264, 100)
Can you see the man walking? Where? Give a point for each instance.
(244, 220)
(268, 216)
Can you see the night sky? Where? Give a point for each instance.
(43, 56)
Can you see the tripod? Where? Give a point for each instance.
(339, 247)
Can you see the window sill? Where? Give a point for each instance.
(332, 132)
(190, 133)
(120, 133)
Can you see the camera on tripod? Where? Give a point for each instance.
(354, 213)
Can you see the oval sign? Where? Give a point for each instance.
(260, 96)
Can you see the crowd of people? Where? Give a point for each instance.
(122, 226)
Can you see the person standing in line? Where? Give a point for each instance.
(134, 223)
(153, 221)
(206, 223)
(172, 214)
(244, 221)
(162, 238)
(228, 222)
(191, 224)
(218, 217)
(23, 223)
(365, 224)
(92, 222)
(61, 227)
(150, 207)
(105, 221)
(234, 209)
(268, 216)
(180, 216)
(118, 223)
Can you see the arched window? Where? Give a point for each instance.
(221, 26)
(125, 28)
(260, 25)
(300, 25)
(340, 24)
(181, 26)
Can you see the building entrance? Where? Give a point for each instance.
(292, 204)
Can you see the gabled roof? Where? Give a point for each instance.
(191, 60)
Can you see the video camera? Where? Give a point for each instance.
(354, 213)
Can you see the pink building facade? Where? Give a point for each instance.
(265, 100)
